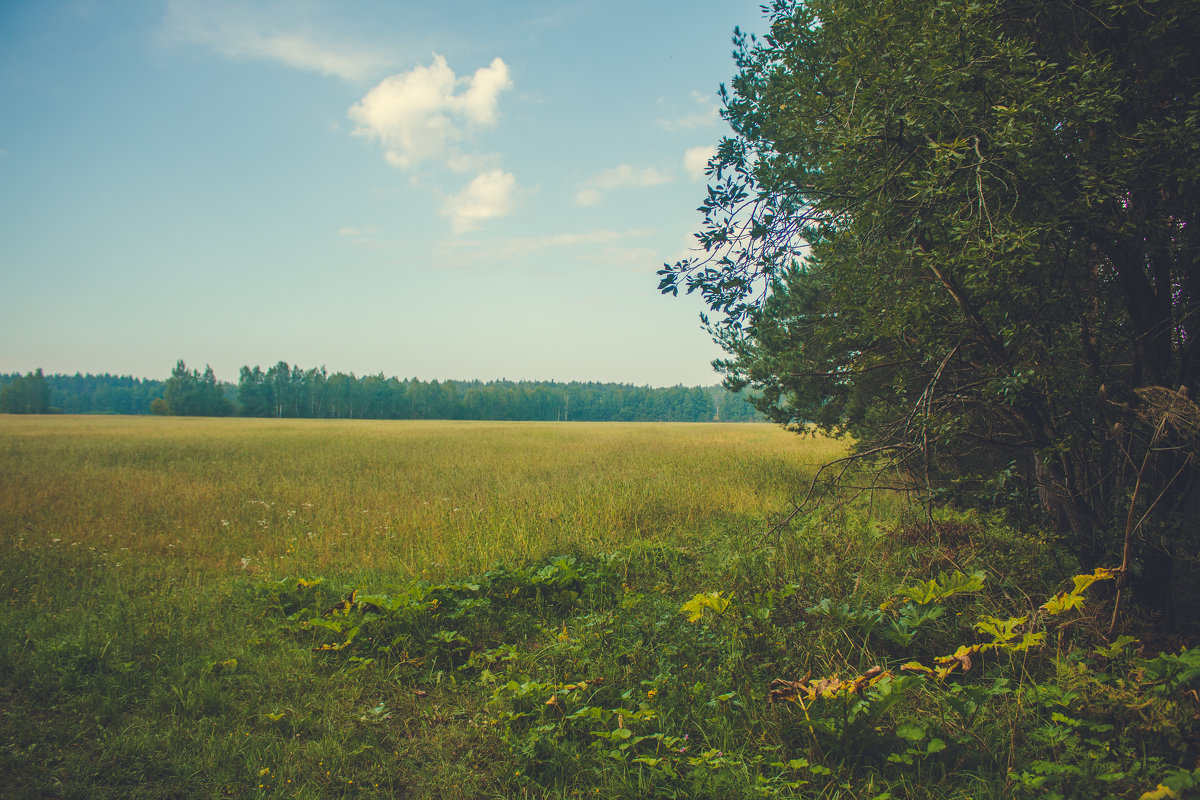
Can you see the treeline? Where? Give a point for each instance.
(25, 395)
(287, 391)
(36, 393)
(291, 391)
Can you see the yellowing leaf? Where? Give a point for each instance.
(1030, 640)
(915, 666)
(1000, 630)
(1082, 582)
(1062, 602)
(1159, 793)
(695, 607)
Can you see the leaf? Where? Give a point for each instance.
(1028, 641)
(945, 587)
(1061, 603)
(1116, 648)
(910, 731)
(1082, 582)
(1000, 630)
(695, 607)
(343, 607)
(916, 666)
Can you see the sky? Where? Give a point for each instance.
(433, 190)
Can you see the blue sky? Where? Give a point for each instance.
(460, 190)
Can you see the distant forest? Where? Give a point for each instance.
(293, 392)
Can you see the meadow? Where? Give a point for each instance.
(415, 498)
(273, 608)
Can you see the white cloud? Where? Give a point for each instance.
(695, 160)
(705, 112)
(489, 195)
(588, 197)
(420, 114)
(623, 176)
(628, 175)
(510, 248)
(515, 247)
(273, 34)
(635, 259)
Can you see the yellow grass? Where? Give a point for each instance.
(288, 496)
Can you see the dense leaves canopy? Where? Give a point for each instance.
(966, 233)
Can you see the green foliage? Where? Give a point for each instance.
(284, 391)
(966, 234)
(846, 655)
(942, 589)
(96, 394)
(190, 394)
(291, 392)
(705, 601)
(598, 675)
(27, 395)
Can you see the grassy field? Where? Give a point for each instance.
(131, 544)
(405, 498)
(250, 608)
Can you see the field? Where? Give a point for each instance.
(405, 499)
(256, 608)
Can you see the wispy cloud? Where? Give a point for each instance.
(359, 234)
(514, 247)
(703, 112)
(623, 176)
(588, 197)
(628, 175)
(519, 247)
(633, 259)
(491, 194)
(273, 33)
(420, 114)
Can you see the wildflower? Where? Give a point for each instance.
(650, 694)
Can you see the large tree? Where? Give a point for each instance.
(966, 233)
(190, 394)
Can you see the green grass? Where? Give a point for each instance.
(522, 624)
(132, 546)
(419, 498)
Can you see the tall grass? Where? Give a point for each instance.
(137, 659)
(543, 610)
(409, 498)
